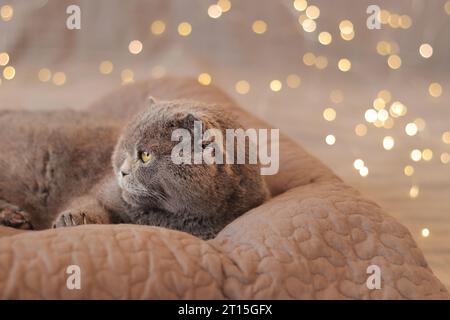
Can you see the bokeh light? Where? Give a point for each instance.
(127, 76)
(225, 5)
(408, 171)
(426, 50)
(135, 47)
(242, 87)
(293, 81)
(435, 90)
(300, 5)
(106, 67)
(360, 130)
(276, 85)
(329, 114)
(214, 11)
(158, 27)
(6, 12)
(4, 58)
(325, 38)
(9, 72)
(394, 62)
(330, 139)
(59, 78)
(259, 27)
(44, 75)
(184, 29)
(344, 65)
(388, 143)
(204, 79)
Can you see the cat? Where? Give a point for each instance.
(57, 172)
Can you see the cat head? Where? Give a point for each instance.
(146, 172)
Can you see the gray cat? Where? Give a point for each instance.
(55, 171)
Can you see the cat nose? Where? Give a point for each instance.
(123, 173)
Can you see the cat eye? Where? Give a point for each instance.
(145, 156)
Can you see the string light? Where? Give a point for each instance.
(242, 87)
(204, 79)
(382, 115)
(276, 85)
(44, 75)
(447, 7)
(358, 164)
(309, 59)
(394, 21)
(9, 72)
(371, 115)
(394, 61)
(329, 114)
(184, 29)
(445, 157)
(364, 171)
(4, 58)
(408, 170)
(348, 37)
(225, 5)
(397, 109)
(414, 191)
(405, 21)
(446, 137)
(106, 67)
(135, 47)
(383, 48)
(416, 155)
(426, 50)
(379, 104)
(344, 65)
(427, 154)
(388, 143)
(330, 139)
(127, 76)
(157, 27)
(435, 90)
(321, 62)
(325, 38)
(309, 25)
(59, 78)
(293, 81)
(312, 12)
(6, 12)
(420, 123)
(214, 11)
(346, 27)
(360, 130)
(300, 5)
(411, 129)
(259, 27)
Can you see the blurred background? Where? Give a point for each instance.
(371, 104)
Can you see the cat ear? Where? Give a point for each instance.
(150, 101)
(188, 121)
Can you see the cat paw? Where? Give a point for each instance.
(15, 218)
(72, 218)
